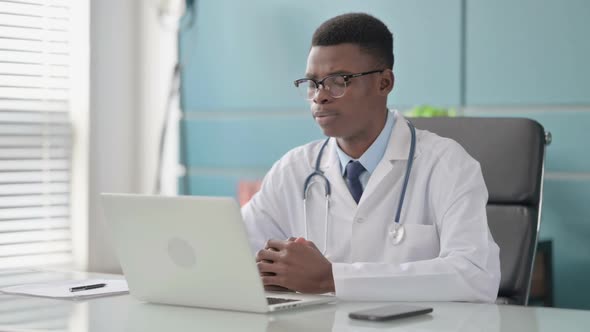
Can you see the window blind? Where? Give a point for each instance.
(35, 133)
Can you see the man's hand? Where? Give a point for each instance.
(295, 264)
(273, 288)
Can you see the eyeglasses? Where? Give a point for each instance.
(335, 84)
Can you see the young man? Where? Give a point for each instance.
(344, 237)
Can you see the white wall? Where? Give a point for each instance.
(131, 63)
(113, 112)
(79, 115)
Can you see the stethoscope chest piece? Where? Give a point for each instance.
(397, 234)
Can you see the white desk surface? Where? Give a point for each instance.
(124, 313)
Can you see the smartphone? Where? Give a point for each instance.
(389, 312)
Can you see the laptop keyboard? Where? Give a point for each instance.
(277, 300)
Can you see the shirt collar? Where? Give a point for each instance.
(371, 158)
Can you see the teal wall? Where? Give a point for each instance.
(246, 54)
(489, 58)
(527, 52)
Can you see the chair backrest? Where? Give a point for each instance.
(511, 153)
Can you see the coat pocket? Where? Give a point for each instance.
(420, 242)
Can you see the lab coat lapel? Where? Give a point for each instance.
(331, 168)
(397, 149)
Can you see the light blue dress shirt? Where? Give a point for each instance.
(371, 158)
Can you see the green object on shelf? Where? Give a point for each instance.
(426, 111)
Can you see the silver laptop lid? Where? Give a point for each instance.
(186, 250)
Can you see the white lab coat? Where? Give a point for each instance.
(447, 254)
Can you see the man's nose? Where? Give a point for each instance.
(321, 96)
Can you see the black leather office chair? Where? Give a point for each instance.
(511, 152)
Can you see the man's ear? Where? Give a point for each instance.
(386, 83)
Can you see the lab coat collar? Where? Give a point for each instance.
(398, 147)
(400, 140)
(331, 167)
(331, 159)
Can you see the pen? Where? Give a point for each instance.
(86, 287)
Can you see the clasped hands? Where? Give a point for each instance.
(294, 264)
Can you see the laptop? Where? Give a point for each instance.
(191, 251)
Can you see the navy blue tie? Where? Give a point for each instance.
(353, 170)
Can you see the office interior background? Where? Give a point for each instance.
(238, 112)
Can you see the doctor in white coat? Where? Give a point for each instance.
(445, 251)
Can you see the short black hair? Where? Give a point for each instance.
(361, 29)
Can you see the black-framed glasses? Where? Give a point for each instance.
(335, 84)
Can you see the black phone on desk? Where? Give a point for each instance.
(389, 312)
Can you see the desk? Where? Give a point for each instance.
(124, 313)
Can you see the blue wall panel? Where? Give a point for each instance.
(214, 185)
(246, 54)
(250, 141)
(528, 52)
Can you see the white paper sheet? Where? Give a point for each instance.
(61, 289)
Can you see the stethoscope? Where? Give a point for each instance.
(397, 232)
